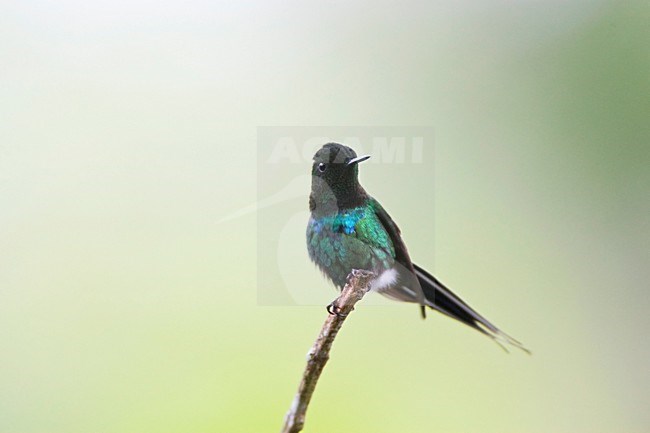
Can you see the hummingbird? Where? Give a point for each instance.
(349, 229)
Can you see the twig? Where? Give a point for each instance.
(356, 287)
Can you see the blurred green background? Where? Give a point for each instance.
(128, 130)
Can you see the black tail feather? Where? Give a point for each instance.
(442, 299)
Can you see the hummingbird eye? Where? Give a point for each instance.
(322, 167)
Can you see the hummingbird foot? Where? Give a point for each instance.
(335, 310)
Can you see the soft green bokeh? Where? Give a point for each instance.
(128, 129)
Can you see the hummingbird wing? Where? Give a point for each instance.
(408, 289)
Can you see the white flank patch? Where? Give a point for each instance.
(384, 280)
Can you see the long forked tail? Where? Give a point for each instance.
(440, 298)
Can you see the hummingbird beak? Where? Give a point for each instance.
(357, 160)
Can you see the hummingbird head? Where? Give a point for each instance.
(335, 179)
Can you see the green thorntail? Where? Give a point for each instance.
(349, 229)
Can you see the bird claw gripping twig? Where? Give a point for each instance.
(335, 310)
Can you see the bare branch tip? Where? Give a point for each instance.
(358, 284)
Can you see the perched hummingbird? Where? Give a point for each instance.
(348, 229)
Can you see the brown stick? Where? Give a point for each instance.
(357, 286)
